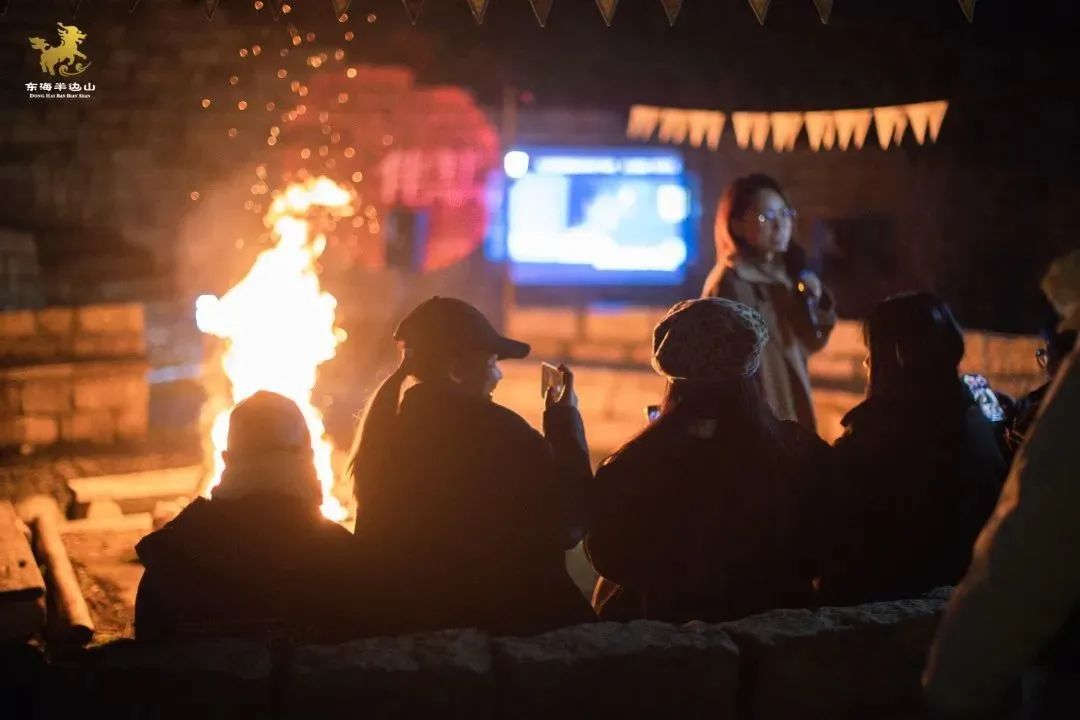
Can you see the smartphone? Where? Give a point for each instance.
(652, 413)
(551, 378)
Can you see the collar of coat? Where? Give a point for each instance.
(755, 271)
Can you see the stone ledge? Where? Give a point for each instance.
(637, 669)
(862, 661)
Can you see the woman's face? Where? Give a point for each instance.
(767, 223)
(477, 373)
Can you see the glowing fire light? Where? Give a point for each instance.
(279, 323)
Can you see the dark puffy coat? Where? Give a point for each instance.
(695, 526)
(261, 567)
(796, 331)
(468, 524)
(917, 476)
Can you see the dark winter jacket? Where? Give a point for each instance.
(693, 524)
(798, 327)
(262, 567)
(468, 524)
(917, 475)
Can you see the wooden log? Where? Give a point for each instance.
(22, 613)
(69, 621)
(168, 483)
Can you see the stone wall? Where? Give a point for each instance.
(72, 374)
(609, 351)
(20, 274)
(858, 662)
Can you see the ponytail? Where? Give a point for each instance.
(374, 436)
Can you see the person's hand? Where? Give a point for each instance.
(812, 283)
(565, 397)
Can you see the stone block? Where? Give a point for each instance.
(628, 325)
(862, 661)
(35, 430)
(88, 425)
(552, 323)
(131, 423)
(446, 674)
(56, 321)
(199, 678)
(846, 339)
(16, 323)
(597, 352)
(109, 345)
(44, 396)
(640, 669)
(119, 318)
(98, 392)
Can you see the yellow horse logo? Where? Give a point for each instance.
(62, 56)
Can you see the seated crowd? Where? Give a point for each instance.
(722, 507)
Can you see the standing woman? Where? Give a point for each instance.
(758, 266)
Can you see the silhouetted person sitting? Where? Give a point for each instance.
(257, 560)
(1057, 346)
(465, 511)
(704, 515)
(919, 467)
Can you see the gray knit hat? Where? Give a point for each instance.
(709, 340)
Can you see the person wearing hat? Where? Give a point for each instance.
(705, 514)
(256, 559)
(464, 511)
(1014, 620)
(919, 466)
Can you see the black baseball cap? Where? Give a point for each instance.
(448, 325)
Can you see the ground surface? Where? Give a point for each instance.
(109, 574)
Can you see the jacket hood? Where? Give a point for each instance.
(212, 534)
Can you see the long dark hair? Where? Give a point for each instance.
(733, 205)
(913, 340)
(376, 432)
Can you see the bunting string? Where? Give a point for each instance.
(824, 129)
(541, 8)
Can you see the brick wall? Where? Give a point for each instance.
(609, 350)
(70, 375)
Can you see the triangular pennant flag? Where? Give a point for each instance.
(642, 122)
(131, 8)
(891, 123)
(479, 9)
(919, 119)
(607, 9)
(340, 7)
(275, 8)
(4, 6)
(937, 117)
(751, 129)
(820, 130)
(674, 125)
(672, 8)
(852, 126)
(413, 8)
(761, 9)
(706, 126)
(824, 9)
(73, 5)
(211, 8)
(968, 6)
(785, 129)
(541, 9)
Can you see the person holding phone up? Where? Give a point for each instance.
(465, 511)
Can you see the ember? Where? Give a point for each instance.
(278, 323)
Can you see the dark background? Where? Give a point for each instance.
(976, 217)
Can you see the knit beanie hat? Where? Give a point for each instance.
(709, 340)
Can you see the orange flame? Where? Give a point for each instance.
(278, 322)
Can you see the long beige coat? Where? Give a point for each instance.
(795, 331)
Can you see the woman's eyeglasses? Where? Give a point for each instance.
(771, 216)
(1040, 357)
